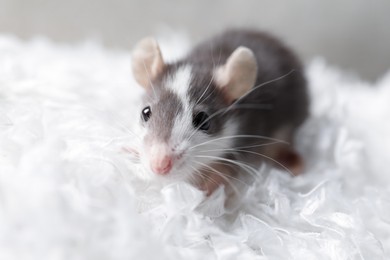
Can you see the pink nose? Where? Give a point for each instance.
(161, 165)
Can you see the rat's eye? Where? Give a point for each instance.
(201, 121)
(146, 113)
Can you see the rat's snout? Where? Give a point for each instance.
(161, 165)
(161, 160)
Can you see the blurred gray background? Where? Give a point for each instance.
(351, 34)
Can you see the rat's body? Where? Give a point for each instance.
(220, 107)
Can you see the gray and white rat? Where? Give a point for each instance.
(234, 102)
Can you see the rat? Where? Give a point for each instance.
(231, 104)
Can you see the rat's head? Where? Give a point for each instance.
(183, 119)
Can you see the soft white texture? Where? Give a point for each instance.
(68, 191)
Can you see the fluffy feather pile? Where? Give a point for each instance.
(68, 191)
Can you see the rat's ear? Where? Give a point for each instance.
(238, 74)
(147, 62)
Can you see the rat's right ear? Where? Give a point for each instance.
(238, 75)
(147, 62)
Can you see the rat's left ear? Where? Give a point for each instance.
(238, 74)
(147, 62)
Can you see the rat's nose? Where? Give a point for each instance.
(161, 164)
(161, 158)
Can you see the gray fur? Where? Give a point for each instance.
(166, 106)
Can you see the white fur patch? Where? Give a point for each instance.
(179, 83)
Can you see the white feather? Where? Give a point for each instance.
(68, 191)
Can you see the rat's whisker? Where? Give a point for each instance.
(118, 122)
(224, 177)
(252, 106)
(204, 176)
(214, 67)
(235, 167)
(194, 173)
(204, 92)
(209, 95)
(224, 110)
(112, 116)
(240, 164)
(129, 131)
(238, 136)
(208, 119)
(212, 77)
(240, 147)
(221, 174)
(271, 159)
(262, 85)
